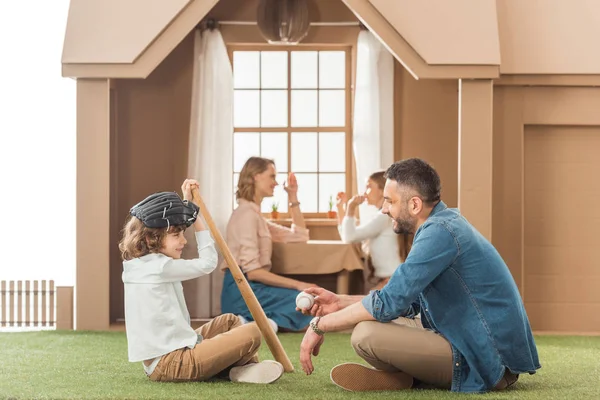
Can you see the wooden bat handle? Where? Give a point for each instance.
(253, 305)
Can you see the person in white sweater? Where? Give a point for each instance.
(157, 322)
(386, 249)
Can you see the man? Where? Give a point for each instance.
(473, 334)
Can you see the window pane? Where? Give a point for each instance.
(279, 197)
(236, 178)
(304, 152)
(304, 108)
(245, 145)
(332, 152)
(330, 185)
(307, 192)
(274, 108)
(304, 69)
(332, 69)
(274, 70)
(246, 108)
(332, 108)
(273, 145)
(246, 70)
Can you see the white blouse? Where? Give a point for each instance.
(382, 241)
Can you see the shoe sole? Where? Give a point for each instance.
(264, 372)
(358, 378)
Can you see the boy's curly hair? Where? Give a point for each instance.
(139, 240)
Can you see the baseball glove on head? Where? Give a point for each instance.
(165, 209)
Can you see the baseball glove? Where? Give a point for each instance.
(165, 209)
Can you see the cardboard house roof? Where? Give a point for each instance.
(433, 39)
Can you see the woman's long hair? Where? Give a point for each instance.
(252, 167)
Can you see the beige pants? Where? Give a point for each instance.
(226, 343)
(404, 345)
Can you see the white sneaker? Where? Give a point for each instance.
(267, 371)
(273, 324)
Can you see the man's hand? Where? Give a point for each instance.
(311, 344)
(326, 302)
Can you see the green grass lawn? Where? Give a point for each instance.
(75, 365)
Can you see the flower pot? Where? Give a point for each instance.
(331, 214)
(274, 214)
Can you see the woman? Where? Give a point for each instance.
(250, 236)
(385, 248)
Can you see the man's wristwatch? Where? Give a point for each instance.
(313, 324)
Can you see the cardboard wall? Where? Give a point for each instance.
(543, 224)
(426, 126)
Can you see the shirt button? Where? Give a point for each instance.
(427, 309)
(457, 364)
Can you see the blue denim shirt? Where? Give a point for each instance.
(464, 291)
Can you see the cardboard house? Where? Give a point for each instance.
(501, 96)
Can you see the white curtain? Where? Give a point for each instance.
(210, 154)
(373, 130)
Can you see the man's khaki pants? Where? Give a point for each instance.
(404, 345)
(226, 343)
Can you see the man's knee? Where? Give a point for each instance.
(362, 334)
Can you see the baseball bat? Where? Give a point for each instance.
(253, 305)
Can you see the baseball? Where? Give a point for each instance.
(304, 301)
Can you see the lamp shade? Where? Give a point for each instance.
(283, 21)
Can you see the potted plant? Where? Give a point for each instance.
(274, 212)
(331, 213)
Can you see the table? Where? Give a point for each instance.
(318, 257)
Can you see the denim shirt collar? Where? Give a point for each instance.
(441, 206)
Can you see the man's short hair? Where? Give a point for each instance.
(418, 175)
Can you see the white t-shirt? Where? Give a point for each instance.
(156, 317)
(382, 241)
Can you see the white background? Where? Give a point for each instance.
(37, 144)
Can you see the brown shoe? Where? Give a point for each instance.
(358, 378)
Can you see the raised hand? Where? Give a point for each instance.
(341, 199)
(186, 188)
(291, 186)
(354, 202)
